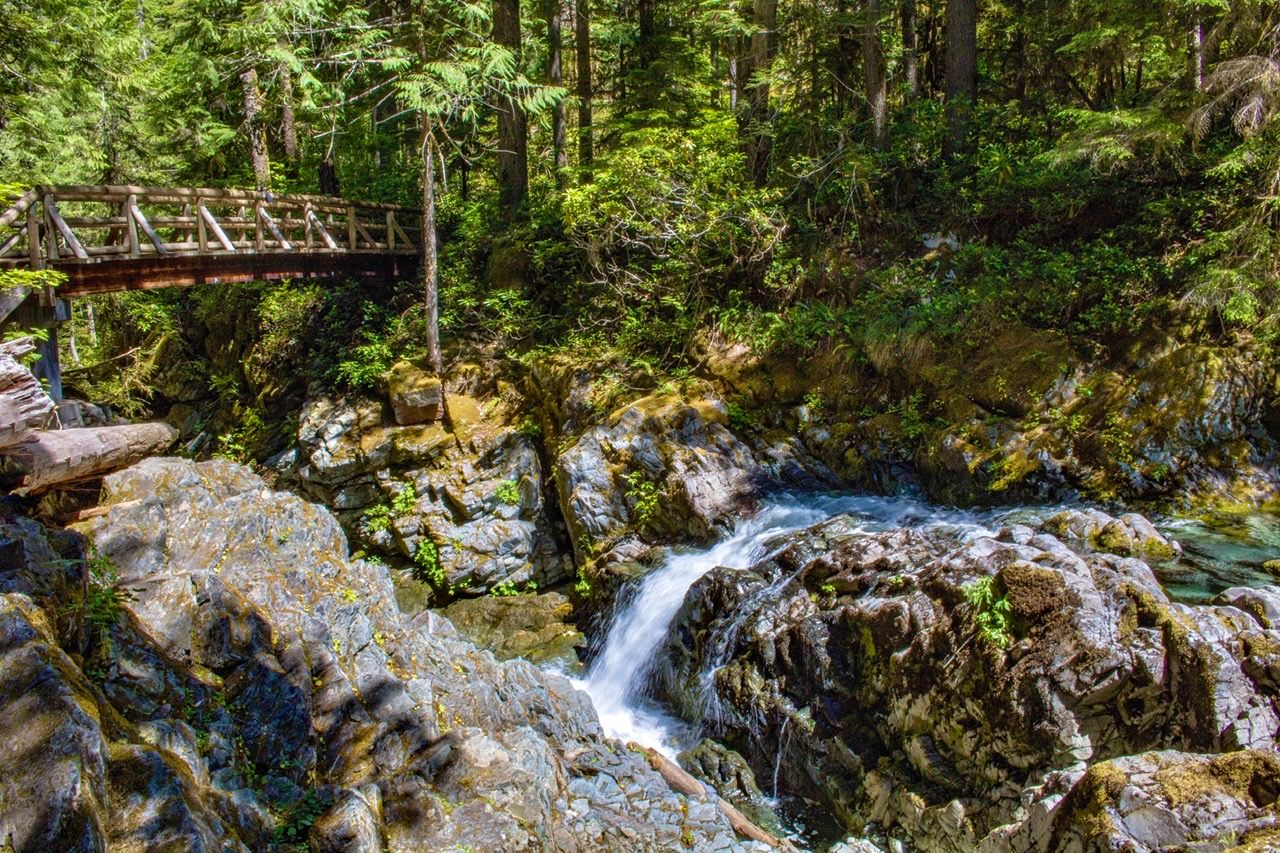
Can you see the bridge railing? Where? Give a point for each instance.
(56, 225)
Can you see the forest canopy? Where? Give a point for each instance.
(631, 171)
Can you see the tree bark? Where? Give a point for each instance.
(962, 74)
(753, 119)
(24, 405)
(513, 140)
(288, 122)
(555, 76)
(253, 127)
(582, 45)
(910, 52)
(430, 249)
(873, 70)
(1198, 62)
(63, 457)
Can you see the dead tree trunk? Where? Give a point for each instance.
(62, 457)
(582, 47)
(24, 406)
(253, 128)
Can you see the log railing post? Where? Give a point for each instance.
(351, 229)
(50, 233)
(33, 238)
(131, 225)
(258, 242)
(307, 214)
(202, 230)
(391, 230)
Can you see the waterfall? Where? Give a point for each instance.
(619, 678)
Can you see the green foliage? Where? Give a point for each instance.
(508, 588)
(104, 599)
(294, 823)
(405, 500)
(991, 612)
(642, 493)
(427, 567)
(377, 518)
(508, 492)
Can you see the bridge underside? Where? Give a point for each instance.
(155, 272)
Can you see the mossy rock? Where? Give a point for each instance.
(416, 395)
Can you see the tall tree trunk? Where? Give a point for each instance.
(555, 76)
(430, 256)
(582, 46)
(647, 36)
(328, 177)
(910, 53)
(962, 73)
(253, 127)
(846, 49)
(873, 70)
(288, 123)
(1198, 62)
(753, 119)
(513, 155)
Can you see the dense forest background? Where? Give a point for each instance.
(614, 177)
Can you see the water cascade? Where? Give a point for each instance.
(619, 679)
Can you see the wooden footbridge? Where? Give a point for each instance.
(106, 239)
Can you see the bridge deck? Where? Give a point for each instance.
(114, 238)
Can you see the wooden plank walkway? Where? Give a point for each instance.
(113, 238)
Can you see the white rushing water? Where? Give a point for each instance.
(618, 680)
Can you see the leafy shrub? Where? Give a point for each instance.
(508, 492)
(643, 495)
(991, 612)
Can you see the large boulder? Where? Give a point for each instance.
(399, 726)
(937, 683)
(416, 395)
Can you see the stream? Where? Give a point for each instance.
(619, 678)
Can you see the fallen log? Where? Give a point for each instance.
(680, 780)
(24, 405)
(61, 457)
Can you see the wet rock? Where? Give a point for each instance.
(416, 395)
(934, 683)
(53, 756)
(527, 626)
(1129, 535)
(1168, 801)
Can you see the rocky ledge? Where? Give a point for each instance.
(1001, 692)
(214, 673)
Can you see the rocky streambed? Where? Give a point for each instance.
(207, 664)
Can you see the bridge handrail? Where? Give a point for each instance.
(264, 222)
(184, 195)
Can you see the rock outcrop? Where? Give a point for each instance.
(247, 684)
(952, 688)
(466, 506)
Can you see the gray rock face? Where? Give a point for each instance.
(859, 658)
(304, 671)
(666, 469)
(471, 497)
(1167, 801)
(53, 755)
